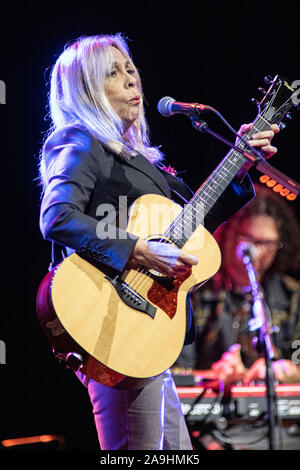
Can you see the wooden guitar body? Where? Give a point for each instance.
(79, 305)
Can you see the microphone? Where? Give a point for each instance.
(246, 250)
(167, 106)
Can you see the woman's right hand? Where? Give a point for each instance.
(165, 258)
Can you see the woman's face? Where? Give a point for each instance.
(260, 231)
(121, 88)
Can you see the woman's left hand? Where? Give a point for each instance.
(262, 140)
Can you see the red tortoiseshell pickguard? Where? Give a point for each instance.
(166, 299)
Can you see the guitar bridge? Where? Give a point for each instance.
(130, 297)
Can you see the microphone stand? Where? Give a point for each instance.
(260, 164)
(261, 322)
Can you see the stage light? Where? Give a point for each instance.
(277, 187)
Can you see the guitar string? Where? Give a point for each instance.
(138, 281)
(144, 270)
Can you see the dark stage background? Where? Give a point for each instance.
(216, 54)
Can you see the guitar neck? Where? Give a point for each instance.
(211, 190)
(194, 213)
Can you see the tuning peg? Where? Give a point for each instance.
(268, 79)
(255, 101)
(262, 90)
(282, 125)
(288, 116)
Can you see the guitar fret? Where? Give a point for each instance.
(226, 169)
(214, 191)
(223, 177)
(253, 127)
(209, 196)
(235, 160)
(233, 165)
(264, 120)
(216, 183)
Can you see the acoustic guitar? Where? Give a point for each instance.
(132, 326)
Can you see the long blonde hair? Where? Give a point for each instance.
(77, 97)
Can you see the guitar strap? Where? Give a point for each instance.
(58, 253)
(180, 191)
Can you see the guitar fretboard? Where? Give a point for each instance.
(194, 213)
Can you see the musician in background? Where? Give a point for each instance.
(223, 306)
(98, 150)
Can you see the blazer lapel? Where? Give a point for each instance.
(142, 164)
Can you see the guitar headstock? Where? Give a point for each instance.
(278, 101)
(276, 106)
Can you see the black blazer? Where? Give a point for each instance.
(83, 175)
